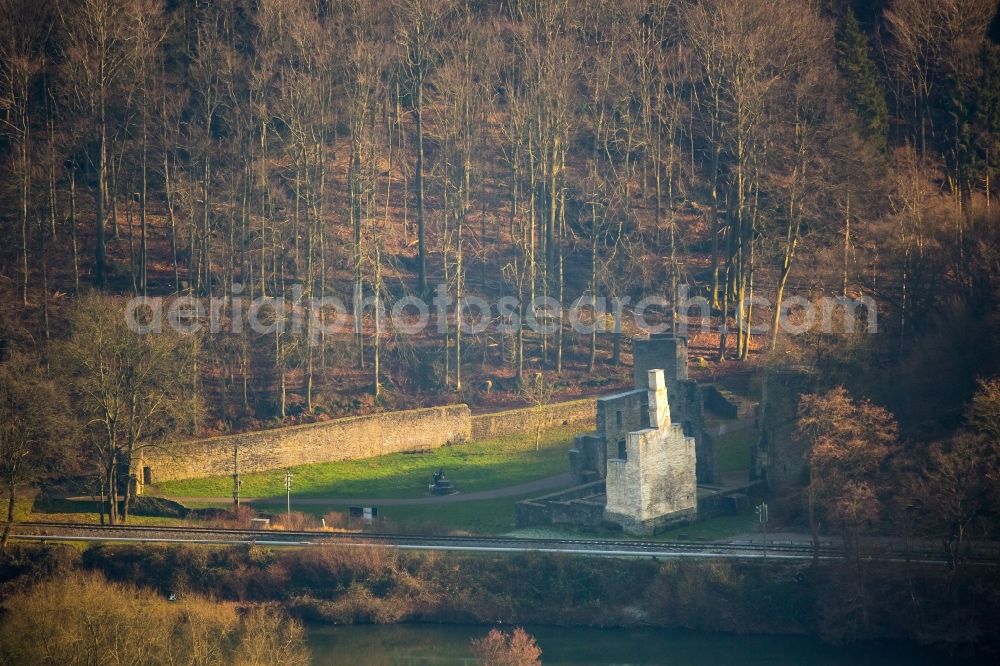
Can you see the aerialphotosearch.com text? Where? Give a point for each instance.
(412, 315)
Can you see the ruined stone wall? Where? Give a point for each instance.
(661, 351)
(655, 481)
(688, 407)
(668, 479)
(518, 421)
(779, 458)
(726, 404)
(351, 438)
(686, 401)
(617, 416)
(588, 458)
(340, 439)
(581, 506)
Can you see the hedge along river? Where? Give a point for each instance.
(447, 645)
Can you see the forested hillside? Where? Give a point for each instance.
(306, 149)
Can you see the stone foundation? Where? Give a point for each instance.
(583, 506)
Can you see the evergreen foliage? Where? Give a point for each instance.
(864, 91)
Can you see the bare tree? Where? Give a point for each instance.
(983, 413)
(32, 425)
(956, 488)
(131, 391)
(418, 22)
(23, 29)
(538, 392)
(98, 50)
(929, 42)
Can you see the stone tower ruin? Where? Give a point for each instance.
(651, 481)
(625, 412)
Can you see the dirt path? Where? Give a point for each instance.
(539, 485)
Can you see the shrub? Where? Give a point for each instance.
(232, 518)
(499, 648)
(295, 521)
(334, 566)
(335, 520)
(22, 566)
(88, 620)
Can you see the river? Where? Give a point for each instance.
(448, 645)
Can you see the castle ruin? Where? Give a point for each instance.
(649, 463)
(622, 413)
(651, 482)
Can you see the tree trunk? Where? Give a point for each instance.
(592, 360)
(813, 524)
(142, 213)
(99, 253)
(419, 183)
(25, 196)
(73, 231)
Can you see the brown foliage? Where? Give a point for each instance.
(335, 519)
(850, 442)
(984, 412)
(296, 521)
(32, 425)
(87, 620)
(499, 648)
(238, 518)
(956, 489)
(849, 439)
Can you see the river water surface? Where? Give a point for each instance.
(447, 645)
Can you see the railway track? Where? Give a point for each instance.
(51, 531)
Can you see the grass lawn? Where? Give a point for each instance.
(479, 517)
(65, 511)
(476, 517)
(474, 466)
(732, 450)
(712, 529)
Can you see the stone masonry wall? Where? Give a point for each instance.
(350, 438)
(655, 480)
(780, 458)
(656, 483)
(618, 415)
(660, 351)
(340, 439)
(686, 401)
(517, 421)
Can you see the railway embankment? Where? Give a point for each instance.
(839, 599)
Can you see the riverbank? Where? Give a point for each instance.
(837, 602)
(450, 645)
